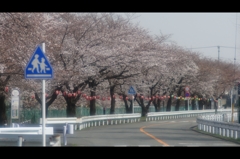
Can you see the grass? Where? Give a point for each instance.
(195, 128)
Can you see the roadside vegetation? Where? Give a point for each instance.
(96, 57)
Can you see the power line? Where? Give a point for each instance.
(202, 47)
(212, 47)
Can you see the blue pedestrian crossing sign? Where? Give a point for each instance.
(38, 67)
(131, 91)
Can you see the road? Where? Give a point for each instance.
(174, 132)
(154, 133)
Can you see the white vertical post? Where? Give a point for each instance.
(20, 140)
(133, 104)
(188, 103)
(65, 135)
(10, 124)
(43, 105)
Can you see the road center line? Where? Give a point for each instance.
(155, 138)
(150, 135)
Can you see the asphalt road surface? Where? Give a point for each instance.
(154, 133)
(174, 132)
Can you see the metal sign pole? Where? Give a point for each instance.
(131, 91)
(43, 72)
(10, 123)
(188, 103)
(43, 105)
(133, 104)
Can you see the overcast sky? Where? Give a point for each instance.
(194, 30)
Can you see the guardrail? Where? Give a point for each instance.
(97, 120)
(220, 124)
(84, 122)
(63, 129)
(61, 125)
(181, 114)
(24, 131)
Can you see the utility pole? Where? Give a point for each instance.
(234, 78)
(216, 104)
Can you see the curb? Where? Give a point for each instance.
(194, 128)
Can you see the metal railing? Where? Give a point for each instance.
(97, 120)
(20, 132)
(220, 124)
(33, 115)
(180, 114)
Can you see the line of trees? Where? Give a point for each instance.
(103, 54)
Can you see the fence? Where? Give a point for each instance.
(220, 124)
(34, 115)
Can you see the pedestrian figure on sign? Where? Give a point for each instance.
(42, 66)
(35, 63)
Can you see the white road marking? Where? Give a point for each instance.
(184, 121)
(204, 144)
(223, 144)
(144, 145)
(132, 145)
(120, 145)
(191, 143)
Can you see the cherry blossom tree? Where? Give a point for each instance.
(96, 54)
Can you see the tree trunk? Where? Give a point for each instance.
(215, 106)
(48, 103)
(113, 101)
(127, 108)
(46, 110)
(104, 110)
(3, 116)
(178, 100)
(163, 105)
(144, 111)
(71, 109)
(157, 105)
(177, 105)
(92, 104)
(208, 104)
(186, 104)
(194, 104)
(200, 105)
(131, 106)
(112, 109)
(169, 103)
(157, 109)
